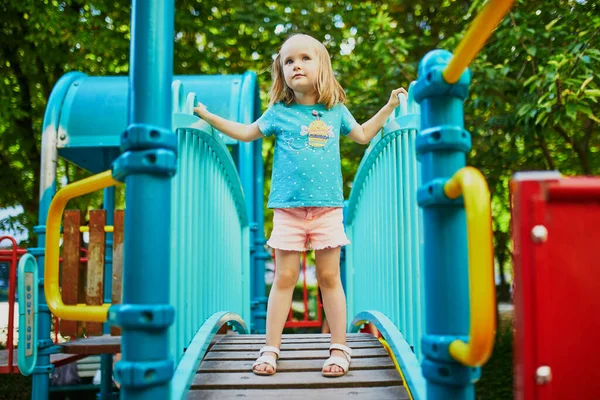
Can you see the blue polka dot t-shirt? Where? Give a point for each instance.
(306, 165)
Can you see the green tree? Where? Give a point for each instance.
(40, 43)
(532, 105)
(534, 102)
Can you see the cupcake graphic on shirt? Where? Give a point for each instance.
(318, 132)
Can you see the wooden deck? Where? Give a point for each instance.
(105, 344)
(56, 359)
(225, 372)
(73, 350)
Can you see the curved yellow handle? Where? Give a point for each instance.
(107, 228)
(480, 30)
(471, 184)
(80, 312)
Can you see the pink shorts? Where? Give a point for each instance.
(305, 228)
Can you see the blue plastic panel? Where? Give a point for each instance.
(28, 305)
(94, 112)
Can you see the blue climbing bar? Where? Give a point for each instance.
(146, 165)
(106, 360)
(43, 368)
(458, 254)
(441, 147)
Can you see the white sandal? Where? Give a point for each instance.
(342, 362)
(269, 359)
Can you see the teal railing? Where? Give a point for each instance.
(210, 253)
(382, 222)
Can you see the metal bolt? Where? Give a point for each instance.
(539, 234)
(543, 375)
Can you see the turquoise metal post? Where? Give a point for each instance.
(147, 164)
(47, 191)
(43, 368)
(250, 167)
(247, 176)
(106, 360)
(441, 146)
(258, 295)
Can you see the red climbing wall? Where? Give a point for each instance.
(556, 233)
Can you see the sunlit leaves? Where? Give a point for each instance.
(533, 100)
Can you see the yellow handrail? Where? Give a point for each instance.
(80, 312)
(107, 228)
(471, 184)
(480, 30)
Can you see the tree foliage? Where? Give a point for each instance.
(533, 100)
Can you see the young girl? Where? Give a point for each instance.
(307, 116)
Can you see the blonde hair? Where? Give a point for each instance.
(329, 90)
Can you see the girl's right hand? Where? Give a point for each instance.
(394, 102)
(201, 110)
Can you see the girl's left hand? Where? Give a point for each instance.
(201, 110)
(394, 101)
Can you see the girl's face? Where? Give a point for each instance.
(300, 64)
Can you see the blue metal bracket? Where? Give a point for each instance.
(143, 374)
(432, 194)
(145, 136)
(152, 162)
(259, 249)
(431, 82)
(451, 374)
(43, 369)
(48, 350)
(45, 343)
(443, 137)
(145, 317)
(36, 251)
(435, 347)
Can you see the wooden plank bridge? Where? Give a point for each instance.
(225, 372)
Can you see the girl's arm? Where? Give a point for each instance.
(364, 133)
(235, 130)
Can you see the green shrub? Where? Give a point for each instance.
(15, 386)
(496, 381)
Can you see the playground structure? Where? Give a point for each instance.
(193, 247)
(555, 222)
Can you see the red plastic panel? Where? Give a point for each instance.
(556, 232)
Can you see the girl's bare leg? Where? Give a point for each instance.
(334, 299)
(287, 271)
